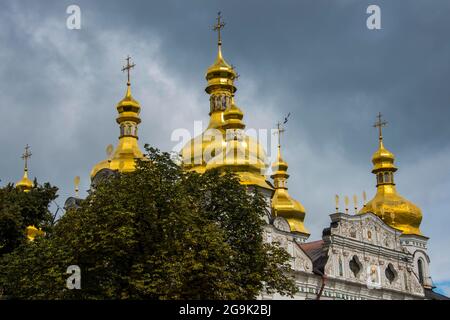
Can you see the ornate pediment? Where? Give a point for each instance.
(366, 228)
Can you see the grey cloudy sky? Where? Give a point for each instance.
(315, 59)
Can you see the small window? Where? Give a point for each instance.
(390, 273)
(355, 266)
(341, 271)
(387, 177)
(380, 178)
(406, 281)
(369, 235)
(420, 269)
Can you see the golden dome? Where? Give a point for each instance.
(394, 210)
(25, 184)
(220, 75)
(237, 151)
(33, 232)
(245, 157)
(224, 144)
(127, 151)
(383, 159)
(387, 204)
(283, 205)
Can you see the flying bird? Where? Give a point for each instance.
(287, 118)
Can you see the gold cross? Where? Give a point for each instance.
(26, 155)
(217, 27)
(280, 128)
(280, 131)
(128, 68)
(380, 124)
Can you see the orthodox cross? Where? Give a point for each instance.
(279, 132)
(380, 124)
(217, 27)
(280, 129)
(128, 68)
(26, 155)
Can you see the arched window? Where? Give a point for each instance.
(420, 268)
(341, 271)
(390, 273)
(387, 177)
(380, 178)
(355, 266)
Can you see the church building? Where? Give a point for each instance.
(378, 253)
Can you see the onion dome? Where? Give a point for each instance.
(239, 152)
(123, 158)
(283, 205)
(387, 204)
(25, 184)
(224, 144)
(220, 87)
(220, 76)
(32, 232)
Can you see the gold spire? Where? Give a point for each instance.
(25, 184)
(283, 204)
(393, 209)
(220, 76)
(128, 119)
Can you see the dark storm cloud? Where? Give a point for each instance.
(315, 59)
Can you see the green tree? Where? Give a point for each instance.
(156, 233)
(19, 210)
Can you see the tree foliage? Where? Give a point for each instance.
(157, 233)
(19, 210)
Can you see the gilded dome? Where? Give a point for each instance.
(283, 205)
(383, 158)
(224, 144)
(32, 232)
(25, 184)
(244, 156)
(394, 210)
(387, 204)
(123, 157)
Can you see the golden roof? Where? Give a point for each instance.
(387, 204)
(283, 205)
(383, 158)
(224, 144)
(25, 184)
(123, 158)
(33, 232)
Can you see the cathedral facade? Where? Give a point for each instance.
(378, 253)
